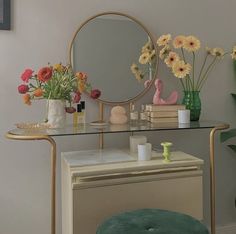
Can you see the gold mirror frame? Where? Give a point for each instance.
(152, 40)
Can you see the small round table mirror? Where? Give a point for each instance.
(118, 54)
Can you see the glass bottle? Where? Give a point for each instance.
(143, 114)
(133, 115)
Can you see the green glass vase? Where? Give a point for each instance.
(192, 101)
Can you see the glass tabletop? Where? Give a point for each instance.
(84, 129)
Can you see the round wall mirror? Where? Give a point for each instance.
(108, 47)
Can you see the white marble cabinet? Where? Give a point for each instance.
(93, 192)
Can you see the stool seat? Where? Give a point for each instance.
(152, 221)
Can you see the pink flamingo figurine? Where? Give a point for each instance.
(171, 100)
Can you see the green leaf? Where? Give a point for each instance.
(224, 136)
(233, 147)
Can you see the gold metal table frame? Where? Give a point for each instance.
(52, 142)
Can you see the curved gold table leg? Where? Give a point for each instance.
(53, 171)
(212, 174)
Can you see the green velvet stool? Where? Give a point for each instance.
(152, 221)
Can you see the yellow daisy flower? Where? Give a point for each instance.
(163, 40)
(178, 42)
(181, 69)
(164, 51)
(191, 44)
(134, 68)
(218, 52)
(144, 58)
(171, 59)
(233, 55)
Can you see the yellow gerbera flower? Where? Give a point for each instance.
(209, 50)
(134, 68)
(171, 59)
(218, 52)
(147, 47)
(164, 51)
(178, 42)
(144, 58)
(233, 55)
(181, 69)
(163, 40)
(152, 54)
(191, 44)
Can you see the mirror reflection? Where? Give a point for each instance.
(107, 48)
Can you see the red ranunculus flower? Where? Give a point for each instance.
(26, 75)
(23, 88)
(45, 74)
(95, 93)
(77, 97)
(70, 110)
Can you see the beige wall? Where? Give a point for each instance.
(41, 33)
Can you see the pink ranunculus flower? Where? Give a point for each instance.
(26, 75)
(23, 88)
(95, 93)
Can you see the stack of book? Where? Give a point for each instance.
(163, 113)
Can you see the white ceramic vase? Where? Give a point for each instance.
(56, 113)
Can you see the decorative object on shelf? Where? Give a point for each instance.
(191, 81)
(57, 83)
(171, 100)
(163, 113)
(36, 126)
(133, 115)
(134, 141)
(166, 150)
(184, 116)
(144, 152)
(118, 115)
(56, 113)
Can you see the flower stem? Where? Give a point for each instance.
(193, 68)
(204, 77)
(200, 74)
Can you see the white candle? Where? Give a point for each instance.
(184, 116)
(144, 152)
(134, 141)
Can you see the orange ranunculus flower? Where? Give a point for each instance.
(26, 99)
(38, 92)
(81, 76)
(45, 74)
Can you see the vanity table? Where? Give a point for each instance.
(106, 46)
(48, 134)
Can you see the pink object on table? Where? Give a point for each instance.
(171, 100)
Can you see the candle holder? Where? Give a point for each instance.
(166, 150)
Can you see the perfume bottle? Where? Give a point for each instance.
(133, 115)
(143, 114)
(80, 114)
(83, 111)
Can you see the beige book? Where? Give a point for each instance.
(152, 107)
(163, 120)
(162, 114)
